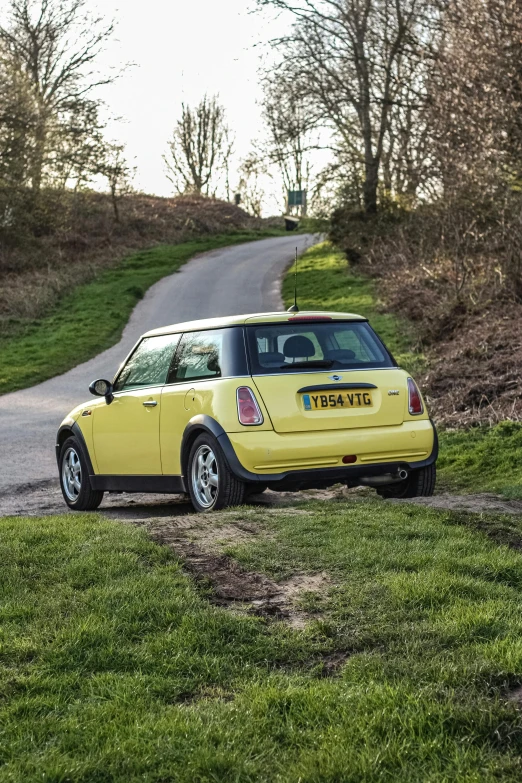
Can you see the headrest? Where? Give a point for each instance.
(213, 364)
(298, 347)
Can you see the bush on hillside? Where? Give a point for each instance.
(454, 268)
(66, 237)
(441, 260)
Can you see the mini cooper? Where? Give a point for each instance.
(227, 407)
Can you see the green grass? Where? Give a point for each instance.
(427, 609)
(91, 318)
(325, 282)
(486, 459)
(113, 667)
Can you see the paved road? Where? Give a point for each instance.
(236, 280)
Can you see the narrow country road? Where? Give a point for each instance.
(235, 280)
(241, 279)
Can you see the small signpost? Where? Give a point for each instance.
(297, 199)
(295, 208)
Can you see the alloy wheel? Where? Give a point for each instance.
(205, 478)
(71, 474)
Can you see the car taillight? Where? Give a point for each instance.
(247, 408)
(415, 405)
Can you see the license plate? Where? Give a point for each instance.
(355, 399)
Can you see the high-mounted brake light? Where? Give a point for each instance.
(248, 410)
(415, 405)
(309, 318)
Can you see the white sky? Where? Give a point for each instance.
(182, 50)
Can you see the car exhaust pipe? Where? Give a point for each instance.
(386, 478)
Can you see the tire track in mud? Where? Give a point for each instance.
(198, 540)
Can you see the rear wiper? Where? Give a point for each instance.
(313, 363)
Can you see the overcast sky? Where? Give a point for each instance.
(182, 49)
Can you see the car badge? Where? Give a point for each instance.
(393, 392)
(335, 377)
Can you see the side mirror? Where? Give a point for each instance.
(102, 388)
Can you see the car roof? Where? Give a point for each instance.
(252, 318)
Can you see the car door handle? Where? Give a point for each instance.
(150, 403)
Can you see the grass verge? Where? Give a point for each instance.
(483, 459)
(91, 317)
(477, 460)
(114, 667)
(325, 282)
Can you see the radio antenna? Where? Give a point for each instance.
(294, 308)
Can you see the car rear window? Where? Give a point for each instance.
(338, 345)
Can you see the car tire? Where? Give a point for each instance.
(74, 478)
(211, 483)
(420, 483)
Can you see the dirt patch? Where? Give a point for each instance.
(285, 604)
(499, 529)
(484, 503)
(43, 498)
(211, 532)
(210, 694)
(337, 492)
(333, 662)
(199, 540)
(228, 581)
(299, 584)
(515, 696)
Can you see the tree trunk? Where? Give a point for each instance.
(115, 207)
(371, 182)
(38, 156)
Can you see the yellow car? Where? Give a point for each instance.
(226, 407)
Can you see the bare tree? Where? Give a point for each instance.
(54, 43)
(76, 148)
(476, 93)
(287, 144)
(200, 148)
(349, 61)
(119, 174)
(476, 134)
(251, 171)
(17, 116)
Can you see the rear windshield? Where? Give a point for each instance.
(282, 348)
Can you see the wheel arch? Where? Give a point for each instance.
(68, 431)
(65, 431)
(196, 426)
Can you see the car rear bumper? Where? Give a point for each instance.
(270, 457)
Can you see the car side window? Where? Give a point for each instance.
(200, 355)
(361, 344)
(149, 364)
